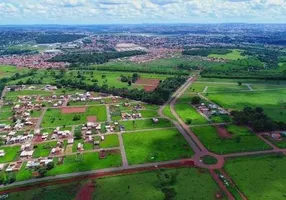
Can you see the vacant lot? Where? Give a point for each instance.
(186, 111)
(151, 146)
(242, 140)
(261, 177)
(145, 124)
(272, 101)
(131, 186)
(44, 149)
(85, 162)
(54, 117)
(60, 191)
(234, 55)
(109, 141)
(8, 70)
(11, 153)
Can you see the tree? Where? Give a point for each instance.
(78, 134)
(50, 165)
(189, 121)
(129, 83)
(42, 171)
(11, 177)
(196, 100)
(239, 83)
(76, 118)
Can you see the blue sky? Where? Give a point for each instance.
(141, 11)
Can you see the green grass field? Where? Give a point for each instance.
(109, 141)
(44, 149)
(86, 162)
(242, 140)
(234, 55)
(61, 191)
(145, 124)
(86, 146)
(8, 70)
(167, 112)
(271, 101)
(189, 184)
(260, 177)
(151, 146)
(11, 153)
(54, 117)
(186, 111)
(23, 174)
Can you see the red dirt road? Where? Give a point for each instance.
(68, 110)
(91, 118)
(85, 193)
(182, 163)
(223, 133)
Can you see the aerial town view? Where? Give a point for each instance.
(142, 99)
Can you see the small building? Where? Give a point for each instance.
(70, 141)
(155, 120)
(2, 153)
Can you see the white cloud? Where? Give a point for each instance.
(140, 11)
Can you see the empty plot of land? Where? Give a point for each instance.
(149, 84)
(259, 177)
(67, 110)
(91, 118)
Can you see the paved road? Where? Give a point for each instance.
(115, 169)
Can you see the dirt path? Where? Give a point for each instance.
(85, 193)
(122, 150)
(38, 125)
(221, 185)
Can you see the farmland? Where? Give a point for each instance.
(150, 146)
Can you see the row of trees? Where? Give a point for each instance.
(159, 96)
(206, 51)
(93, 58)
(256, 119)
(57, 38)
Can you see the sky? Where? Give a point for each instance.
(141, 11)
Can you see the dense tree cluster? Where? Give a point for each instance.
(17, 52)
(159, 96)
(133, 79)
(256, 119)
(16, 76)
(93, 58)
(206, 51)
(57, 38)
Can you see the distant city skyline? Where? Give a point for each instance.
(141, 11)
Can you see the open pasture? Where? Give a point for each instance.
(259, 177)
(186, 111)
(151, 146)
(234, 55)
(145, 124)
(11, 153)
(241, 140)
(54, 117)
(85, 162)
(131, 186)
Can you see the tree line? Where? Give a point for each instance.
(159, 96)
(256, 119)
(57, 38)
(92, 58)
(206, 51)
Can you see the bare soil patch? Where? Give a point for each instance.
(85, 193)
(148, 81)
(67, 110)
(149, 88)
(223, 133)
(91, 118)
